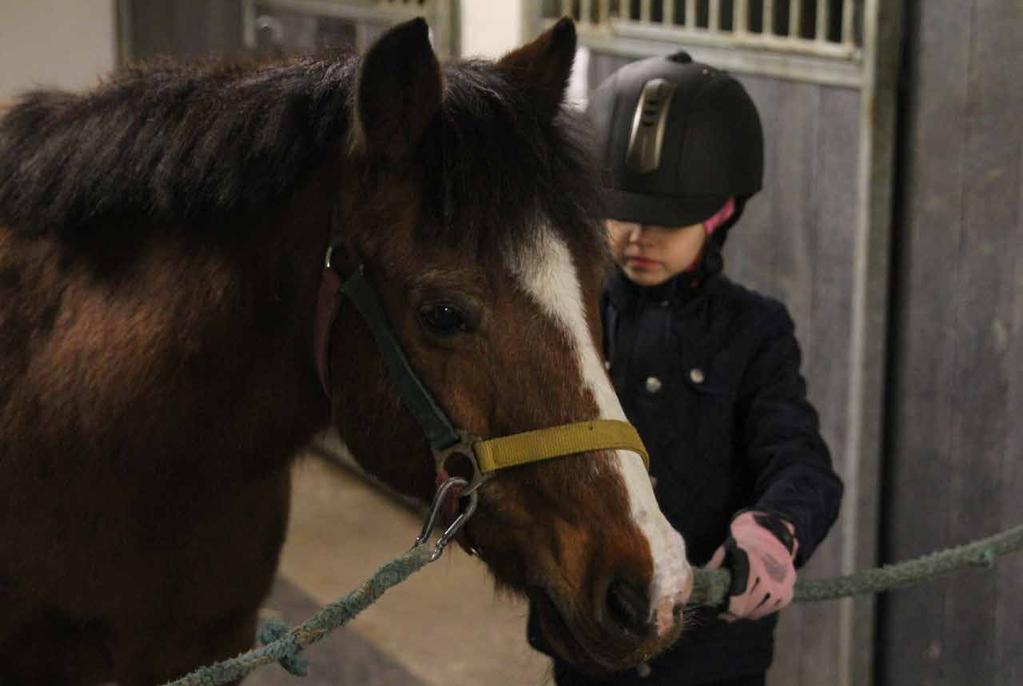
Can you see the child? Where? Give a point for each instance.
(707, 370)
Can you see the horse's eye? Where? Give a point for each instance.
(444, 319)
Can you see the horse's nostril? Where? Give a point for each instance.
(628, 606)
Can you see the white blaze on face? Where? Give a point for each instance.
(546, 272)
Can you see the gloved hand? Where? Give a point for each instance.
(760, 552)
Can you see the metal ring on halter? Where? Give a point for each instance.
(455, 526)
(464, 448)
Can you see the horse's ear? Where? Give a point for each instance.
(544, 66)
(398, 92)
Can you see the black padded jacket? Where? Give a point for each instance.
(710, 376)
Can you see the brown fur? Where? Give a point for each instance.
(145, 467)
(156, 382)
(557, 530)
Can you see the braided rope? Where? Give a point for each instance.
(285, 647)
(710, 587)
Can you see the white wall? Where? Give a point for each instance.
(490, 28)
(66, 43)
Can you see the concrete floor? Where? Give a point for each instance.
(445, 625)
(343, 657)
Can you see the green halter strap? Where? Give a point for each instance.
(488, 455)
(417, 398)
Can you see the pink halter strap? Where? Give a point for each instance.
(720, 217)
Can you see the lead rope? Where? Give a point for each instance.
(283, 645)
(285, 648)
(710, 587)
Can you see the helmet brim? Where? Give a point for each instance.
(660, 210)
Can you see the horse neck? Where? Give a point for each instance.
(229, 387)
(281, 401)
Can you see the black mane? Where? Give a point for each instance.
(498, 166)
(188, 144)
(171, 141)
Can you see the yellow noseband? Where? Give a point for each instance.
(490, 455)
(558, 441)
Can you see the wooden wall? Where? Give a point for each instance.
(956, 392)
(180, 27)
(796, 243)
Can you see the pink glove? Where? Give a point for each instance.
(760, 553)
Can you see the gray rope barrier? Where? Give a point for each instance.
(710, 587)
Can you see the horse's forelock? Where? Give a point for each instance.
(492, 164)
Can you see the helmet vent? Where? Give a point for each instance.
(648, 125)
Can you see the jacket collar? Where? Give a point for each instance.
(680, 290)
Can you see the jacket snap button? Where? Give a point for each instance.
(653, 384)
(696, 375)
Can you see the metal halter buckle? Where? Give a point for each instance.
(464, 449)
(455, 526)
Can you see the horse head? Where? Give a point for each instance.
(158, 242)
(471, 213)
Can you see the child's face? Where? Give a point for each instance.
(650, 255)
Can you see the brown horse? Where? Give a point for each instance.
(161, 248)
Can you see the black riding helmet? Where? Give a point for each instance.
(675, 139)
